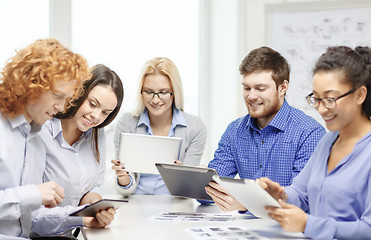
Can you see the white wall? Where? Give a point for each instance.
(220, 57)
(229, 30)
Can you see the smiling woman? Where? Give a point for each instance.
(334, 187)
(159, 112)
(74, 142)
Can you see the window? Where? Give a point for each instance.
(125, 34)
(22, 22)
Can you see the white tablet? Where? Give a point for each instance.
(253, 197)
(186, 181)
(139, 153)
(92, 209)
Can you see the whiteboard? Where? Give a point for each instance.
(301, 32)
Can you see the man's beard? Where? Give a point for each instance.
(268, 110)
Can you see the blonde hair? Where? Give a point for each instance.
(164, 66)
(34, 70)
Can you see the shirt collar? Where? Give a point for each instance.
(24, 126)
(178, 119)
(144, 119)
(56, 129)
(279, 121)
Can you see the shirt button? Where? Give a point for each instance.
(263, 141)
(260, 166)
(76, 153)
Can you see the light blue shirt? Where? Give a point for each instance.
(22, 163)
(340, 201)
(188, 127)
(153, 183)
(75, 168)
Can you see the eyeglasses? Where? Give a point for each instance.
(328, 102)
(161, 95)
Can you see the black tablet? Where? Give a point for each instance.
(186, 181)
(92, 209)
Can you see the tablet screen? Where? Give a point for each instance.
(92, 209)
(139, 153)
(253, 197)
(186, 181)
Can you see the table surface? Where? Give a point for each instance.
(133, 220)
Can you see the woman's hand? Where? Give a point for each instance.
(273, 188)
(177, 162)
(222, 198)
(122, 175)
(90, 198)
(102, 219)
(290, 217)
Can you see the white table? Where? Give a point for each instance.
(132, 221)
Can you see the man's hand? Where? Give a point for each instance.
(222, 198)
(122, 175)
(102, 219)
(51, 194)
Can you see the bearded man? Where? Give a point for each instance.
(274, 139)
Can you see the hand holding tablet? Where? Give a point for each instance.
(186, 181)
(139, 153)
(249, 194)
(92, 209)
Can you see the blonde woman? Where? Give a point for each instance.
(159, 112)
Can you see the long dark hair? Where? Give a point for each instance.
(356, 66)
(101, 75)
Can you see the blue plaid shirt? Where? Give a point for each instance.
(279, 151)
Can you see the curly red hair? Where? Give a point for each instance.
(34, 70)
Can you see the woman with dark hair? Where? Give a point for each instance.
(74, 142)
(331, 197)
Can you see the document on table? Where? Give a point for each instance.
(194, 217)
(223, 233)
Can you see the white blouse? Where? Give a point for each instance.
(75, 168)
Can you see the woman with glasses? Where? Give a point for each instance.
(159, 112)
(331, 197)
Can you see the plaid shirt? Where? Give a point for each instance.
(279, 151)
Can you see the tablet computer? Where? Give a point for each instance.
(253, 197)
(186, 181)
(139, 153)
(92, 209)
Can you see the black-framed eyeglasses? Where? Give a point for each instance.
(161, 95)
(327, 102)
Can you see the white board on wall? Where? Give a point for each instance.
(301, 32)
